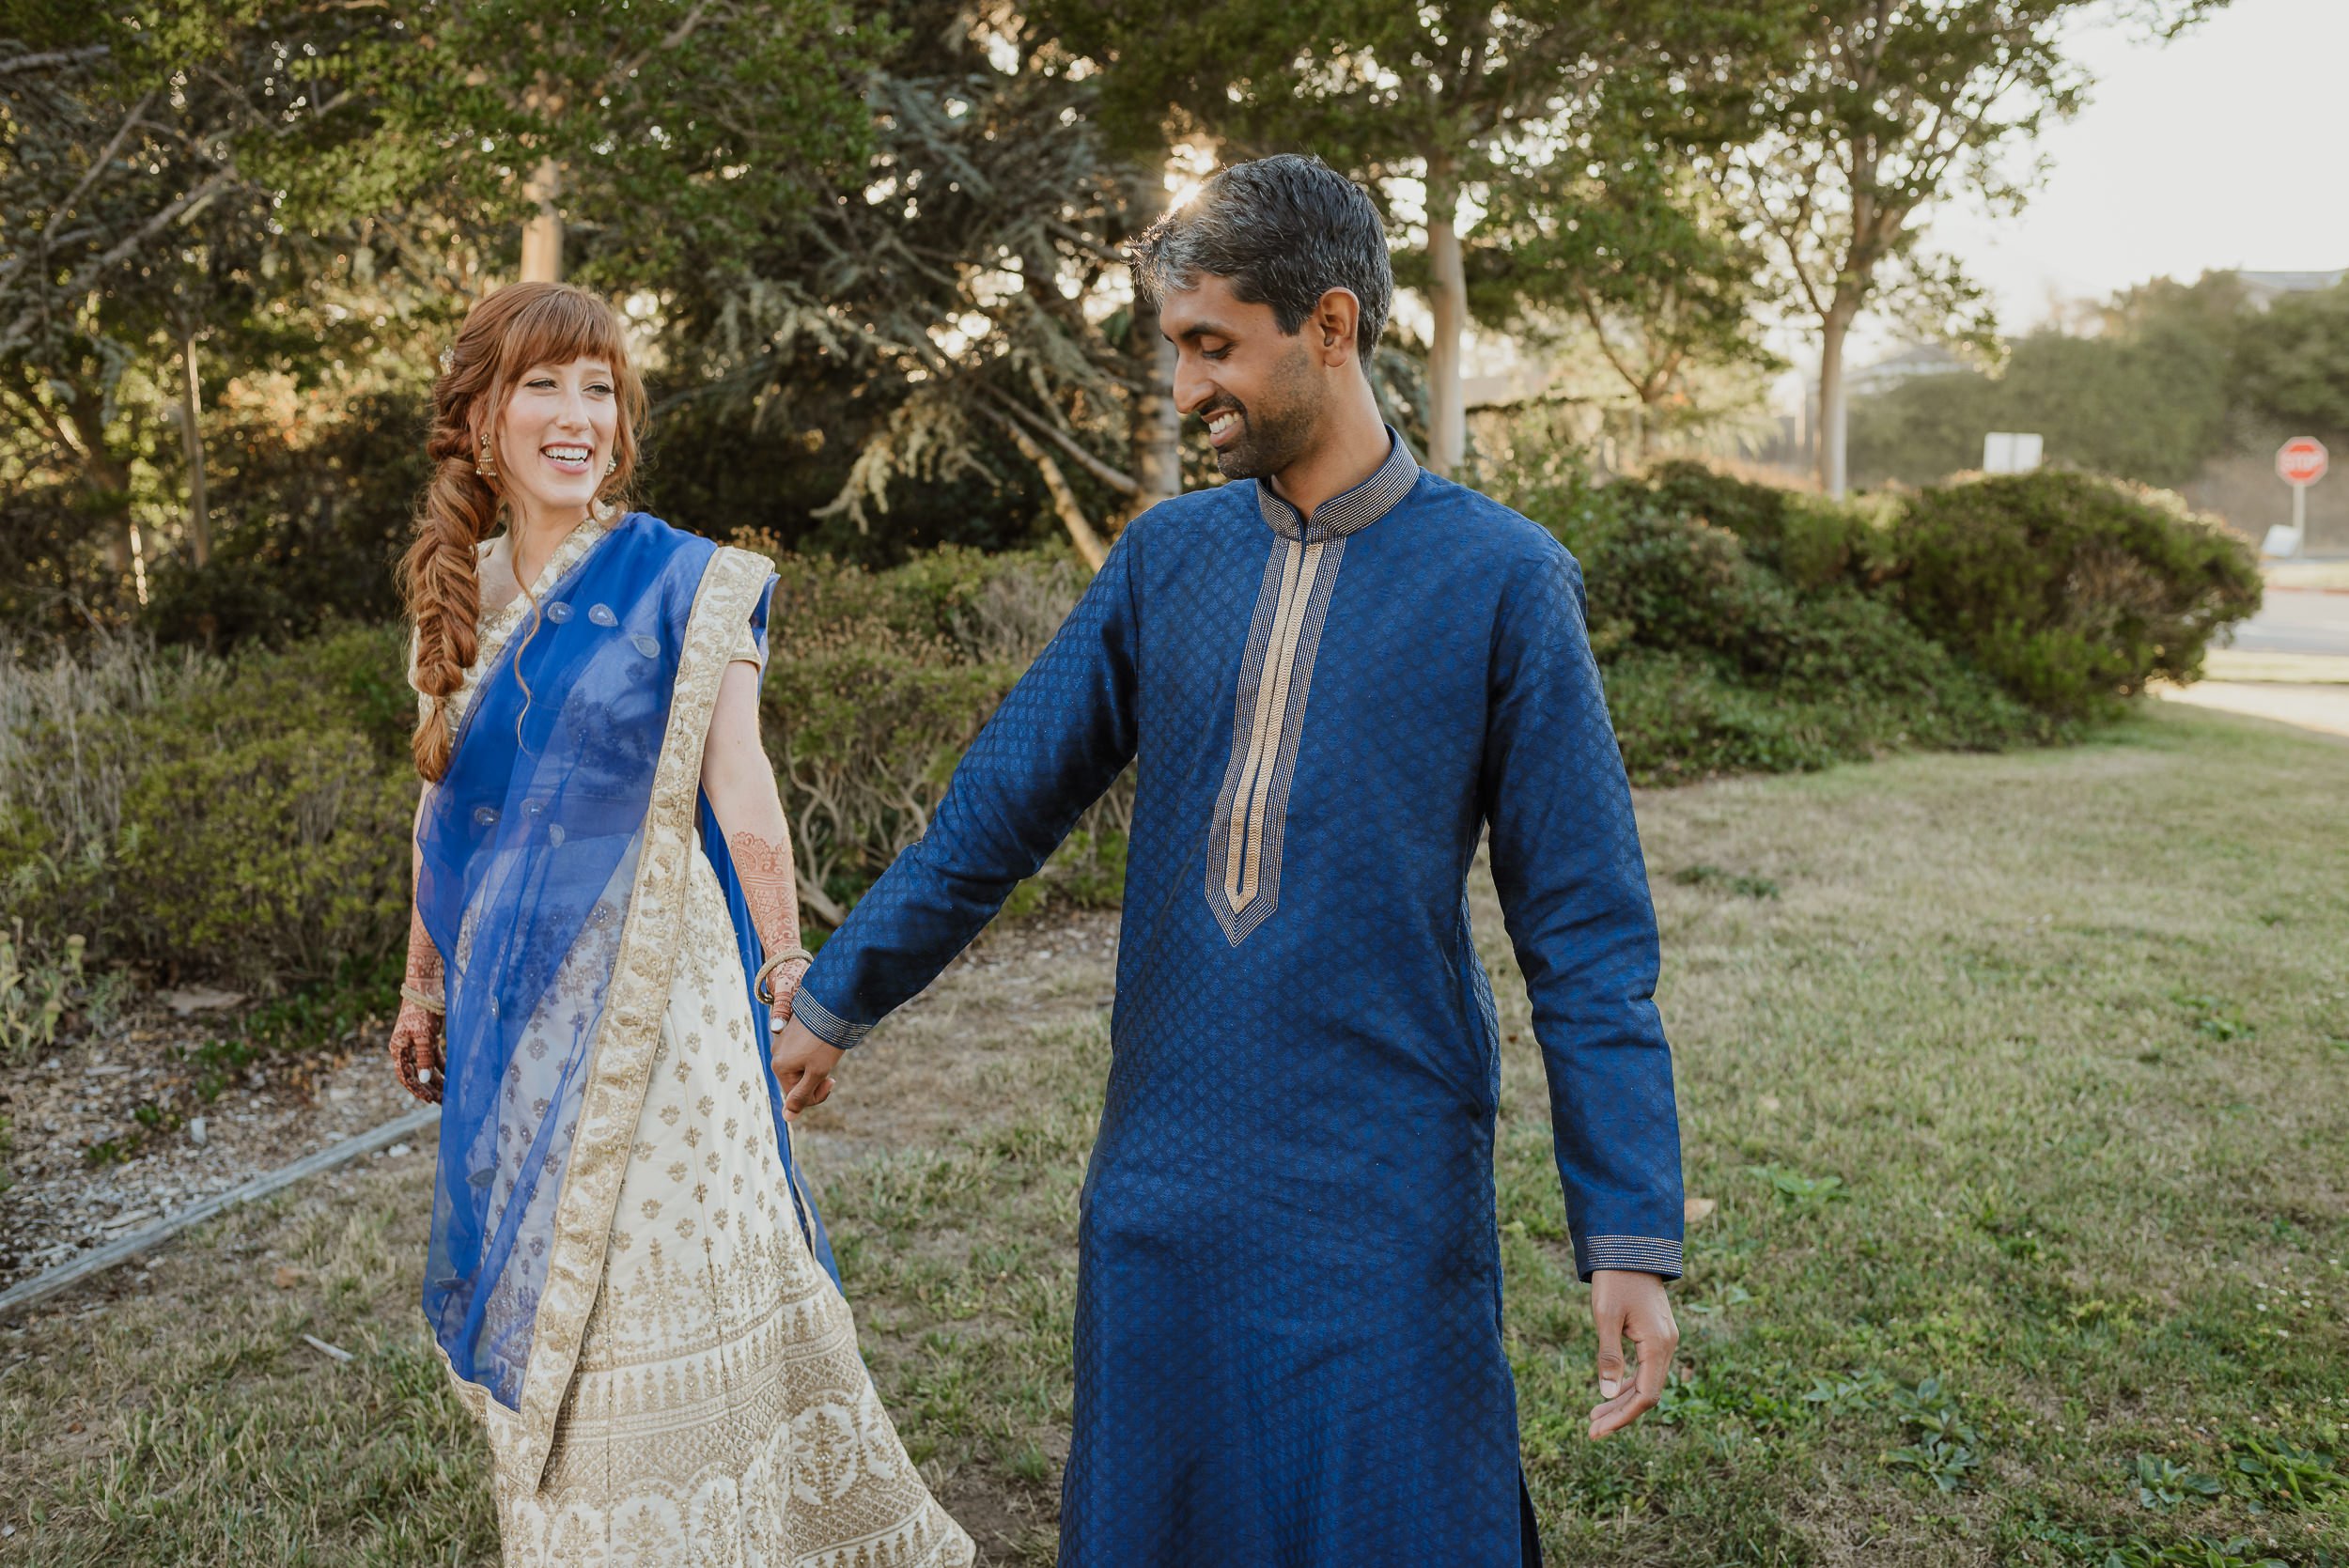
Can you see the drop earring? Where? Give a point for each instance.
(611, 465)
(486, 464)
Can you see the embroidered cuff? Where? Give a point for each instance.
(825, 1024)
(1643, 1254)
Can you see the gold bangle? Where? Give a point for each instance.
(760, 983)
(423, 998)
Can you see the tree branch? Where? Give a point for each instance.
(1082, 533)
(1122, 484)
(19, 331)
(53, 57)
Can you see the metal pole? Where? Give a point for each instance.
(2300, 520)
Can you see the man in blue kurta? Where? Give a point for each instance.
(1333, 675)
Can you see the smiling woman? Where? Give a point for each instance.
(626, 1280)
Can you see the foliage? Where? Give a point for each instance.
(1627, 254)
(33, 993)
(247, 819)
(2163, 1483)
(242, 821)
(1469, 101)
(1886, 108)
(880, 682)
(2073, 591)
(1943, 1448)
(2292, 360)
(1736, 630)
(2160, 387)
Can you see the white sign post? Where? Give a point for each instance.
(2010, 452)
(2299, 463)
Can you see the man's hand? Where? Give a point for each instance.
(1631, 1306)
(803, 1066)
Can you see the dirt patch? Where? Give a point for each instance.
(119, 1127)
(936, 1066)
(114, 1130)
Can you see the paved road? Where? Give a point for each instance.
(2321, 709)
(2298, 620)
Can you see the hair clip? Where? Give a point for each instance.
(448, 358)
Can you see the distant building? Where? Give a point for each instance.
(2262, 289)
(1917, 360)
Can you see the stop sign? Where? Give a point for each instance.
(2301, 460)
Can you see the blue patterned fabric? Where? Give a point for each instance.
(528, 852)
(1288, 1318)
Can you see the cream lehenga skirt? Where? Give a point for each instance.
(720, 1413)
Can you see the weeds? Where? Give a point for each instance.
(1738, 882)
(2162, 1484)
(1943, 1448)
(1799, 1190)
(33, 995)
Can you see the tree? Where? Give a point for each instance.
(1457, 98)
(1886, 108)
(2146, 397)
(1635, 251)
(969, 283)
(118, 188)
(2291, 365)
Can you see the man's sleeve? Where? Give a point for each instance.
(1054, 744)
(1566, 858)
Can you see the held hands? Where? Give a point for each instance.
(804, 1063)
(417, 1054)
(1631, 1306)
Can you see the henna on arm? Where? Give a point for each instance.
(764, 865)
(417, 1055)
(740, 782)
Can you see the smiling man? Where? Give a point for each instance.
(1336, 672)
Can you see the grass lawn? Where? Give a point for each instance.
(2017, 1086)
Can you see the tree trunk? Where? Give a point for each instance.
(1155, 456)
(1833, 427)
(191, 412)
(1447, 410)
(543, 236)
(1158, 425)
(1082, 533)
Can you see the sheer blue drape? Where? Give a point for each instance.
(529, 846)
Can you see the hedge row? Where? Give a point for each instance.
(247, 819)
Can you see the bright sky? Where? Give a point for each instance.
(2220, 149)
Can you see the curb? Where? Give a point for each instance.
(42, 1286)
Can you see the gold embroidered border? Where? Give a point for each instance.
(628, 1034)
(1244, 842)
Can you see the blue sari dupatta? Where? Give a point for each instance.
(552, 878)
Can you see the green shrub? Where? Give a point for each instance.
(1807, 539)
(267, 862)
(2073, 591)
(248, 818)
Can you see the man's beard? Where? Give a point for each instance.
(1279, 430)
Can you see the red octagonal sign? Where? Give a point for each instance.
(2301, 460)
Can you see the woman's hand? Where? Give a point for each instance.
(416, 1055)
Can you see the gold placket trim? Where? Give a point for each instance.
(1244, 861)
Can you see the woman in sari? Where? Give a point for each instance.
(626, 1279)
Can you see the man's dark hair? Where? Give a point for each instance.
(1285, 230)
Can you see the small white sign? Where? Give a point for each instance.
(2010, 452)
(2282, 540)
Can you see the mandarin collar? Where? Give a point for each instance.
(1341, 515)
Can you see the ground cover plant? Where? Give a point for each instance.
(2016, 1096)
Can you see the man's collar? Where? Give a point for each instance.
(1341, 515)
